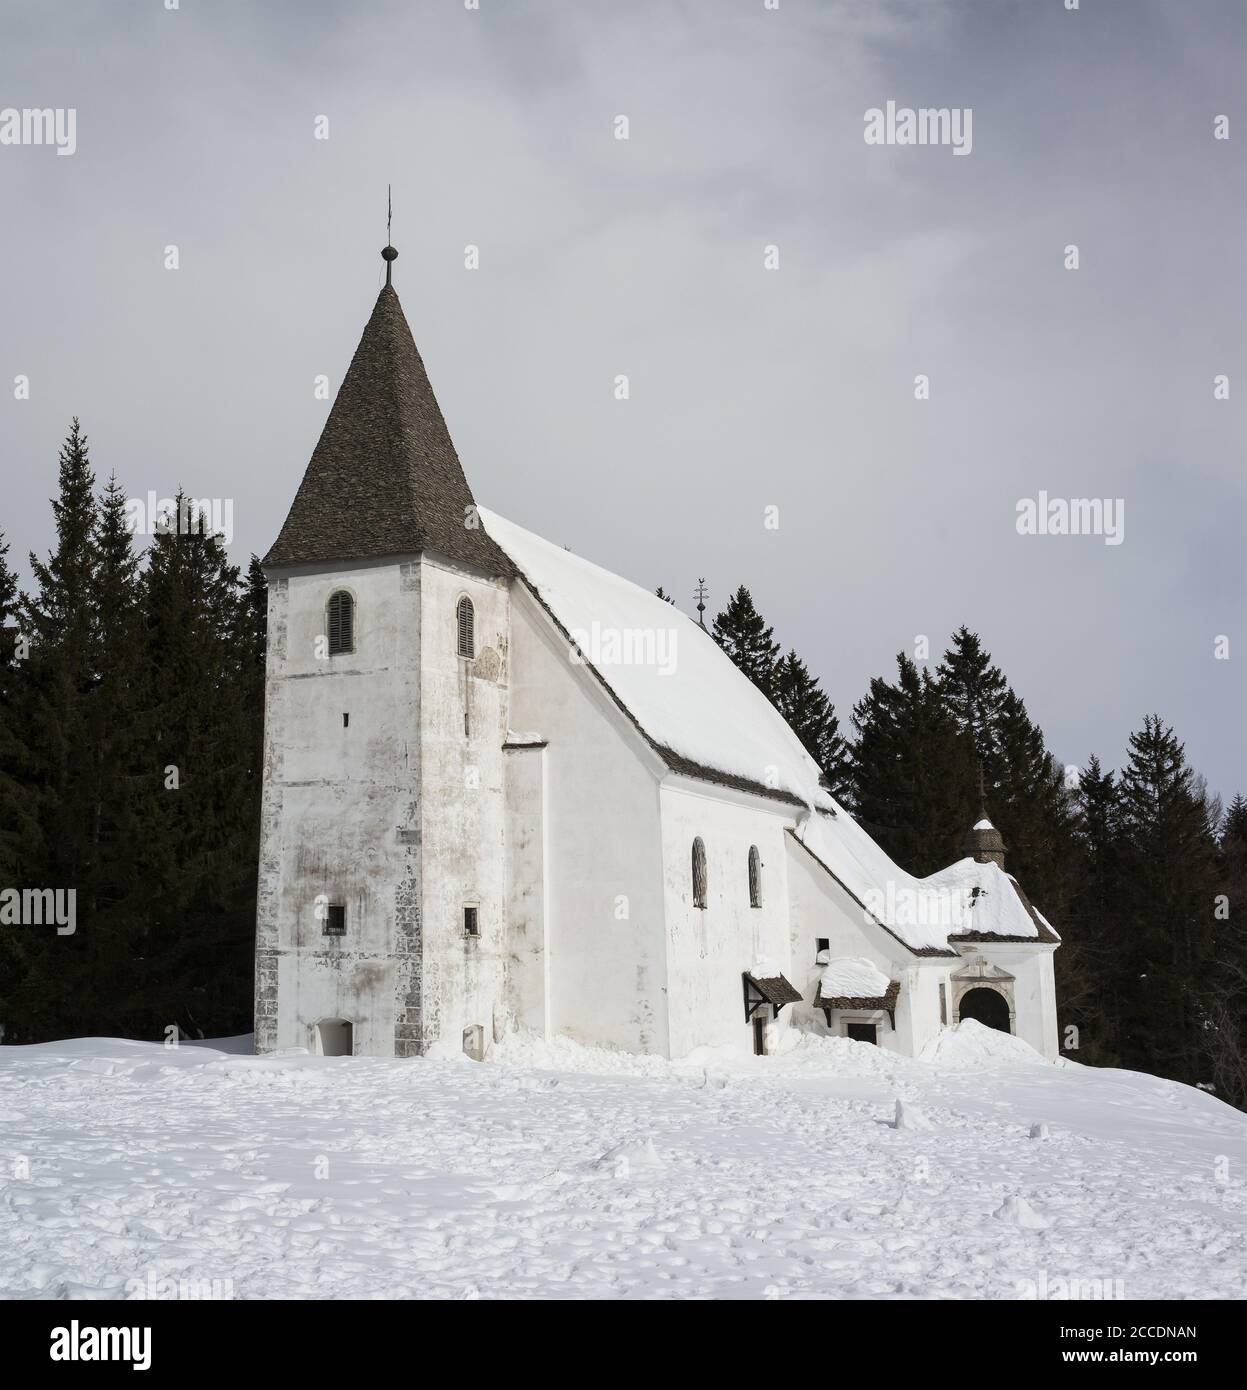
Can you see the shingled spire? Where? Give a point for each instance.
(384, 478)
(984, 843)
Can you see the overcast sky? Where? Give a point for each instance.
(750, 388)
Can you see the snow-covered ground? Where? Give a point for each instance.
(560, 1171)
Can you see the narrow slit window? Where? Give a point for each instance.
(335, 919)
(699, 873)
(755, 877)
(471, 921)
(467, 627)
(340, 623)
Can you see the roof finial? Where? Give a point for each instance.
(701, 595)
(389, 255)
(982, 793)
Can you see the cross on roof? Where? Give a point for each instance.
(389, 255)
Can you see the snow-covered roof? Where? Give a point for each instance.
(994, 904)
(705, 717)
(983, 824)
(923, 913)
(853, 977)
(680, 688)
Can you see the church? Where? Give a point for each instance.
(507, 789)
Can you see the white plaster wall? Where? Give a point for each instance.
(1034, 990)
(606, 971)
(1048, 1026)
(463, 814)
(342, 983)
(334, 797)
(528, 959)
(922, 985)
(709, 949)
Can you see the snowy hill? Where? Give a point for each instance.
(555, 1170)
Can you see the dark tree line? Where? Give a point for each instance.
(131, 709)
(1141, 872)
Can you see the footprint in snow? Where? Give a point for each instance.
(1019, 1212)
(525, 1191)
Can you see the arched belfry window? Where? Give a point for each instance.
(755, 877)
(699, 873)
(467, 627)
(340, 622)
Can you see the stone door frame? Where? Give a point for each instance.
(975, 972)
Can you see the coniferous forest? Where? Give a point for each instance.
(131, 712)
(131, 719)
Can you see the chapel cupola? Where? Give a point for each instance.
(984, 843)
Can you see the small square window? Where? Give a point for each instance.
(471, 921)
(335, 920)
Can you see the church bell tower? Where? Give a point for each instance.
(380, 916)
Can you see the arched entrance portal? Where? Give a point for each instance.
(334, 1038)
(985, 1006)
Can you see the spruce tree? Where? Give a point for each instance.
(117, 661)
(910, 770)
(57, 680)
(252, 638)
(115, 888)
(745, 637)
(1169, 881)
(199, 784)
(1031, 807)
(1027, 799)
(1234, 837)
(60, 620)
(811, 716)
(1228, 994)
(1088, 975)
(973, 691)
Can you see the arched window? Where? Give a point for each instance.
(699, 873)
(340, 622)
(755, 877)
(467, 632)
